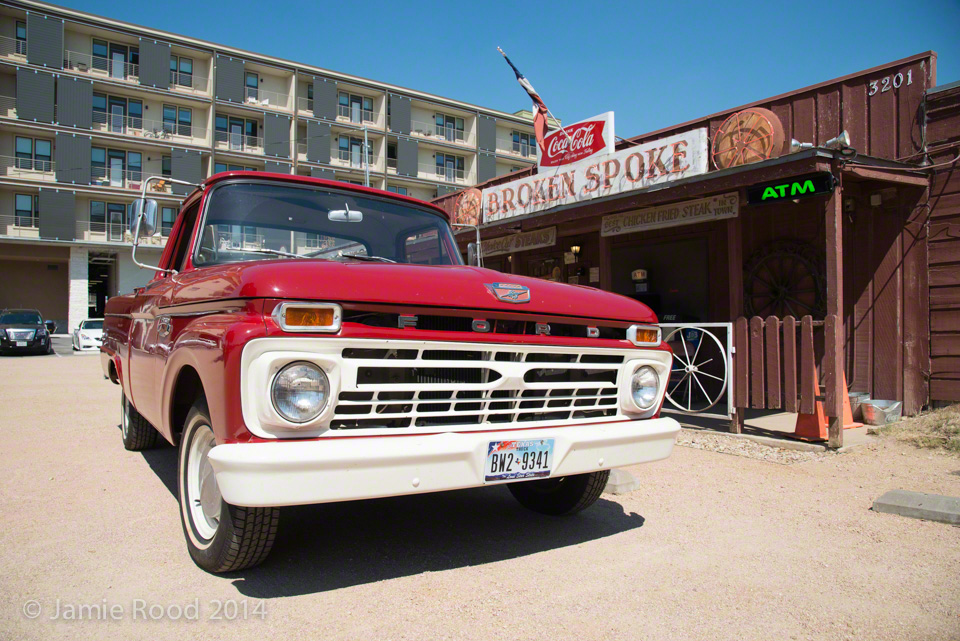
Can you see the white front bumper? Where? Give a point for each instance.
(343, 469)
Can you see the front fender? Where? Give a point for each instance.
(211, 344)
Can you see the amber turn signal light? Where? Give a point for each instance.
(308, 317)
(643, 335)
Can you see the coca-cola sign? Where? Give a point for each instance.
(578, 141)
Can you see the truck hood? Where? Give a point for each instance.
(449, 286)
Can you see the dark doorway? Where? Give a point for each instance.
(677, 277)
(99, 274)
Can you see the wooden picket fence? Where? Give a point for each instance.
(773, 369)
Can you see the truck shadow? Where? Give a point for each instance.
(339, 545)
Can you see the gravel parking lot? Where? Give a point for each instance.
(711, 547)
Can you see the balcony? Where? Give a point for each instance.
(151, 129)
(429, 171)
(8, 107)
(354, 159)
(238, 142)
(305, 104)
(13, 48)
(114, 232)
(355, 115)
(264, 98)
(27, 169)
(104, 67)
(20, 226)
(435, 132)
(188, 82)
(119, 178)
(510, 147)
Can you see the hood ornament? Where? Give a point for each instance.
(509, 292)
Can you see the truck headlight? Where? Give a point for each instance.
(644, 387)
(300, 392)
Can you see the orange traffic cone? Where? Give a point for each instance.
(813, 427)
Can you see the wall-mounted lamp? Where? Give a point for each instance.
(575, 250)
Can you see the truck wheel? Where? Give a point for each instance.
(137, 433)
(220, 537)
(562, 495)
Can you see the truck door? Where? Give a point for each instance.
(144, 339)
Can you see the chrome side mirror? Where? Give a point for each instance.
(472, 258)
(144, 220)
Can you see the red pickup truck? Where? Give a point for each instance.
(307, 341)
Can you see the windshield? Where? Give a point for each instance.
(21, 318)
(254, 221)
(92, 324)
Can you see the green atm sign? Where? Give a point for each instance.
(790, 188)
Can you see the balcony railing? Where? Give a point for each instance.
(114, 232)
(96, 65)
(445, 174)
(264, 98)
(12, 47)
(20, 226)
(114, 177)
(27, 168)
(353, 159)
(444, 134)
(305, 104)
(392, 163)
(238, 142)
(8, 107)
(238, 240)
(189, 82)
(357, 115)
(133, 126)
(515, 148)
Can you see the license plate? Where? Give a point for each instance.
(518, 459)
(21, 343)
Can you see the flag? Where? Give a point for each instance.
(540, 110)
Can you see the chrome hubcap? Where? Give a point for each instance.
(202, 491)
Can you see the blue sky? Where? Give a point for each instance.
(653, 64)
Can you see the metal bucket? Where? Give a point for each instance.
(856, 398)
(881, 412)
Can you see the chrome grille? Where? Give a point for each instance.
(21, 334)
(399, 388)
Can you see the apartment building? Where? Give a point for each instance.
(90, 107)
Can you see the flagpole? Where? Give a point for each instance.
(519, 75)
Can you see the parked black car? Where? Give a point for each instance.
(22, 331)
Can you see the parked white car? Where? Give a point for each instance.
(89, 335)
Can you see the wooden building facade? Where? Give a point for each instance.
(879, 253)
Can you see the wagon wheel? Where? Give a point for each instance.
(698, 376)
(747, 136)
(784, 279)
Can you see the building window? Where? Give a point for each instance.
(392, 155)
(165, 167)
(310, 97)
(450, 127)
(351, 151)
(134, 165)
(100, 55)
(21, 38)
(524, 144)
(98, 164)
(181, 71)
(449, 167)
(167, 216)
(397, 190)
(34, 154)
(252, 83)
(135, 108)
(99, 109)
(169, 119)
(185, 122)
(356, 108)
(98, 216)
(237, 133)
(27, 210)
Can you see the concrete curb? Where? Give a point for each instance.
(621, 482)
(917, 505)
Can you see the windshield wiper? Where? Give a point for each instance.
(367, 258)
(264, 250)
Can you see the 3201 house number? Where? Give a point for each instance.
(889, 82)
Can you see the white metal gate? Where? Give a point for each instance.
(701, 377)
